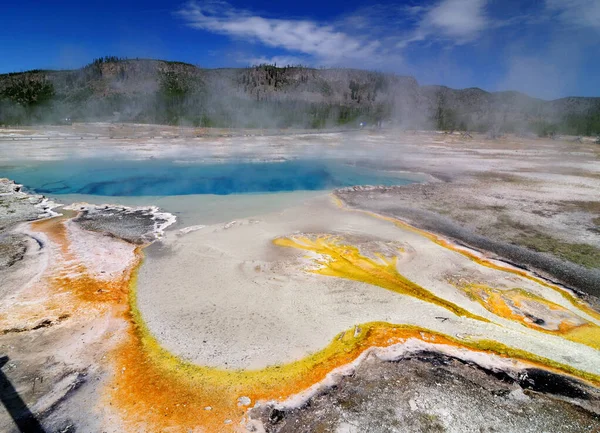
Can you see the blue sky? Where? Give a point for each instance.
(546, 48)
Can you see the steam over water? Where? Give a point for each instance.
(167, 177)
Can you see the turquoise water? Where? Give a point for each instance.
(166, 177)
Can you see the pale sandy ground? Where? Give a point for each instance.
(241, 302)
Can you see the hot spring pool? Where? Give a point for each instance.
(167, 177)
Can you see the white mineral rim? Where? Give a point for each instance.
(161, 219)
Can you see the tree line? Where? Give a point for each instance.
(183, 98)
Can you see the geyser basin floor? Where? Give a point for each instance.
(168, 177)
(79, 385)
(243, 302)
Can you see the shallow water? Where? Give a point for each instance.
(204, 209)
(168, 177)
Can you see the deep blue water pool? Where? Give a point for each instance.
(165, 177)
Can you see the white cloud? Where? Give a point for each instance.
(375, 35)
(454, 21)
(371, 37)
(323, 41)
(458, 19)
(576, 13)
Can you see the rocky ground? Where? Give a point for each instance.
(51, 347)
(428, 392)
(535, 204)
(17, 206)
(18, 249)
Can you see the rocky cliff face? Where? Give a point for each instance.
(268, 96)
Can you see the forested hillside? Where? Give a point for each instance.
(266, 96)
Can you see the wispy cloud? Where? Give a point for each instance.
(461, 20)
(452, 21)
(323, 41)
(576, 13)
(378, 36)
(376, 33)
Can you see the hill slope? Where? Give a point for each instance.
(267, 96)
